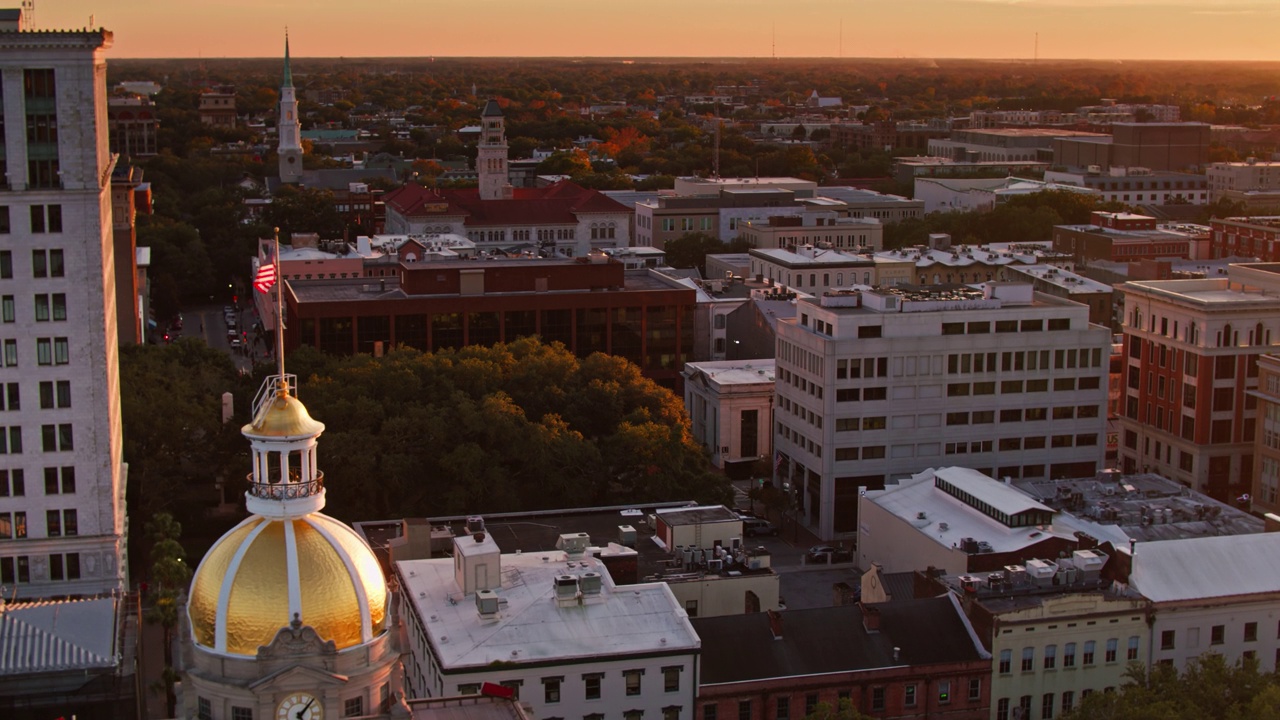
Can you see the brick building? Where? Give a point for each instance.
(588, 306)
(1126, 237)
(1192, 350)
(902, 659)
(1246, 237)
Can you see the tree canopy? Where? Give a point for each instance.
(520, 426)
(1209, 689)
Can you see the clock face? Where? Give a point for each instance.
(300, 706)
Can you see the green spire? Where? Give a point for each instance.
(288, 74)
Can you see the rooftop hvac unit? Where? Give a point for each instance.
(486, 602)
(573, 543)
(475, 524)
(715, 565)
(566, 586)
(590, 583)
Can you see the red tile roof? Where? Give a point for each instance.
(557, 204)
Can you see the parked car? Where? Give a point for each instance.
(753, 527)
(827, 554)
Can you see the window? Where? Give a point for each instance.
(7, 313)
(877, 698)
(513, 686)
(909, 696)
(975, 689)
(551, 689)
(6, 265)
(782, 708)
(1068, 702)
(1251, 632)
(632, 678)
(709, 711)
(1050, 657)
(810, 703)
(1167, 640)
(204, 708)
(671, 678)
(671, 712)
(1089, 647)
(56, 438)
(1217, 635)
(1112, 646)
(353, 707)
(1028, 659)
(11, 441)
(469, 689)
(11, 353)
(4, 219)
(1069, 655)
(55, 394)
(1006, 661)
(13, 526)
(241, 713)
(52, 351)
(1024, 705)
(744, 710)
(61, 523)
(944, 691)
(12, 483)
(591, 684)
(1132, 650)
(1046, 706)
(10, 397)
(1002, 709)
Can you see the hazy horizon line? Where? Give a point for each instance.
(697, 58)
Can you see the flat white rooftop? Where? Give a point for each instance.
(917, 495)
(735, 372)
(1211, 567)
(531, 626)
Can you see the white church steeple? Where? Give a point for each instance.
(288, 130)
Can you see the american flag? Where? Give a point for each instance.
(266, 276)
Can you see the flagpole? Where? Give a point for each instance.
(284, 386)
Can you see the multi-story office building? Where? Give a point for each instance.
(62, 479)
(1136, 185)
(1126, 237)
(1160, 146)
(879, 384)
(1192, 349)
(133, 126)
(1265, 495)
(1243, 176)
(1257, 237)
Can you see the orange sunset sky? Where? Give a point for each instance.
(1104, 29)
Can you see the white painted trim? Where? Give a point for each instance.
(228, 582)
(366, 619)
(291, 570)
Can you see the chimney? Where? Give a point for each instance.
(775, 623)
(870, 618)
(897, 654)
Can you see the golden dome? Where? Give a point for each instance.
(262, 571)
(283, 416)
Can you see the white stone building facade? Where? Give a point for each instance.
(878, 385)
(62, 475)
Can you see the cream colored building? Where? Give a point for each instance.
(1049, 651)
(730, 403)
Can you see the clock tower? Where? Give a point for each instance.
(289, 615)
(288, 131)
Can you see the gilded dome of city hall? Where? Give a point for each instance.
(259, 574)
